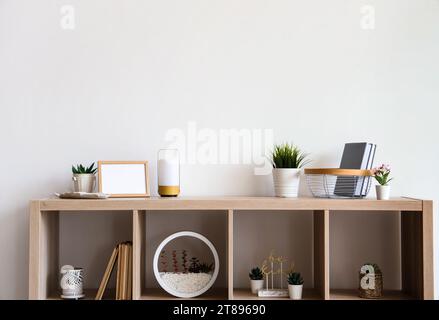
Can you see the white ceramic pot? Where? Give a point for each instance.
(84, 182)
(286, 182)
(295, 291)
(256, 285)
(383, 192)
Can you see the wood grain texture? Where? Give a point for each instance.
(427, 250)
(147, 188)
(245, 294)
(34, 250)
(340, 172)
(234, 203)
(416, 238)
(43, 252)
(138, 253)
(321, 253)
(352, 294)
(230, 254)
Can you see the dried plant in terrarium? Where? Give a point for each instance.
(163, 261)
(192, 275)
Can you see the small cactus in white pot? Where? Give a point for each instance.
(382, 176)
(256, 280)
(295, 285)
(287, 160)
(84, 178)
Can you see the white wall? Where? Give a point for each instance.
(131, 70)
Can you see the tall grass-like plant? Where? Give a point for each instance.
(287, 155)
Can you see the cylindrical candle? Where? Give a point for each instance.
(168, 173)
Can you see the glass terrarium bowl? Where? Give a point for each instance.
(186, 264)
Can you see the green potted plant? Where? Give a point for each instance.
(84, 178)
(256, 280)
(295, 285)
(382, 176)
(287, 160)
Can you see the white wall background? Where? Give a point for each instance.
(131, 70)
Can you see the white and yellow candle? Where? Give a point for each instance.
(168, 173)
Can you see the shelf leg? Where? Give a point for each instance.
(43, 252)
(417, 252)
(230, 254)
(427, 249)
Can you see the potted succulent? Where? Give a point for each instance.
(256, 280)
(84, 178)
(381, 175)
(287, 160)
(295, 285)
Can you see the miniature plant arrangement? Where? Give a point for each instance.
(295, 285)
(287, 160)
(382, 176)
(187, 276)
(256, 280)
(84, 178)
(273, 267)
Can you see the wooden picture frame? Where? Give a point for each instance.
(107, 178)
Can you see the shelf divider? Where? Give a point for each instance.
(138, 253)
(230, 254)
(321, 253)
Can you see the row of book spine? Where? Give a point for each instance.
(122, 259)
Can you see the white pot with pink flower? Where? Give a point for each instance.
(382, 176)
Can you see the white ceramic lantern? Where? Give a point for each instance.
(168, 172)
(71, 282)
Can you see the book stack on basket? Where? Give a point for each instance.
(352, 180)
(122, 256)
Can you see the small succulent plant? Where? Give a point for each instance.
(193, 267)
(199, 267)
(294, 278)
(80, 169)
(205, 268)
(256, 274)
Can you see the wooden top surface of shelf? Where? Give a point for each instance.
(226, 203)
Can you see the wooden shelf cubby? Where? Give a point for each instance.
(237, 230)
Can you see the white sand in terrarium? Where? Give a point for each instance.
(186, 282)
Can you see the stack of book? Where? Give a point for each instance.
(355, 156)
(122, 256)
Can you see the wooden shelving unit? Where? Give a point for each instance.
(416, 240)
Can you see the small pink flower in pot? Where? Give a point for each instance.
(382, 176)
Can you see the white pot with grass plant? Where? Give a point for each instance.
(256, 280)
(382, 176)
(84, 178)
(287, 160)
(295, 285)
